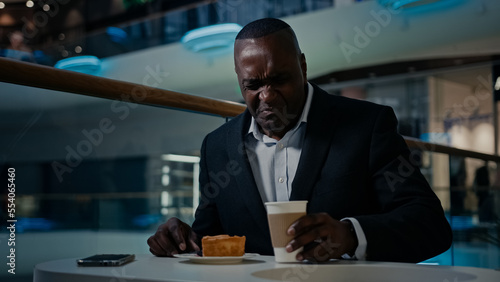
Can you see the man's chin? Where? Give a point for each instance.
(272, 126)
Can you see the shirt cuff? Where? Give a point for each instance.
(360, 253)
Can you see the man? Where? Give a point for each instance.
(17, 49)
(296, 142)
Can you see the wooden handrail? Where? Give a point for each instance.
(436, 148)
(39, 76)
(17, 72)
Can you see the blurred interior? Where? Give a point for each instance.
(81, 189)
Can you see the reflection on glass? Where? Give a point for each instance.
(474, 212)
(93, 164)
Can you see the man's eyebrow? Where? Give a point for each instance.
(250, 80)
(269, 77)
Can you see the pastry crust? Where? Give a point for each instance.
(223, 246)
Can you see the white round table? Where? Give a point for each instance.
(262, 268)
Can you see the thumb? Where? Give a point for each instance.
(193, 245)
(192, 241)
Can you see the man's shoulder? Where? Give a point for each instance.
(235, 124)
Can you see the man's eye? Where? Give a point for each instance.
(280, 80)
(252, 87)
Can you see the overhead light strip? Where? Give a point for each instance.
(180, 158)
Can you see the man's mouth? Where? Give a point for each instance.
(264, 113)
(266, 110)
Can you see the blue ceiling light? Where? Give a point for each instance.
(400, 4)
(211, 40)
(116, 34)
(407, 4)
(83, 64)
(420, 6)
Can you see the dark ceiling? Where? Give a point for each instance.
(75, 18)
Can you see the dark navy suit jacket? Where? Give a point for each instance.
(353, 164)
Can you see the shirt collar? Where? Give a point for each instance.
(254, 129)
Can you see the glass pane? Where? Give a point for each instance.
(435, 167)
(474, 213)
(468, 191)
(94, 175)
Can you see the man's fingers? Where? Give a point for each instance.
(307, 222)
(161, 245)
(155, 247)
(173, 237)
(192, 241)
(168, 243)
(156, 253)
(308, 236)
(177, 233)
(321, 252)
(193, 246)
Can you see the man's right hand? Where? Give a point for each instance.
(173, 237)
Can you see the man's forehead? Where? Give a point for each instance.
(247, 46)
(282, 40)
(241, 44)
(278, 36)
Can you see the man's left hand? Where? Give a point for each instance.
(331, 238)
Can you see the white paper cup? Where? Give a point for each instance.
(281, 215)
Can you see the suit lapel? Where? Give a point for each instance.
(316, 144)
(245, 180)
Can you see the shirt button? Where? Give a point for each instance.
(281, 180)
(280, 146)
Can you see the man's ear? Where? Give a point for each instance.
(303, 66)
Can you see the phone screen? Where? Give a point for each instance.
(106, 260)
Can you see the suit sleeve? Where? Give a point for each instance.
(411, 225)
(207, 220)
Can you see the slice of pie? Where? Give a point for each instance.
(223, 246)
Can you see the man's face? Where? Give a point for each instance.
(16, 39)
(272, 77)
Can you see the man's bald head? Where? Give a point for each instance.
(264, 27)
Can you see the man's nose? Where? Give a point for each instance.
(267, 94)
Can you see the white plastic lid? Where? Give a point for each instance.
(286, 207)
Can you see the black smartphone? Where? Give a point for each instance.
(106, 260)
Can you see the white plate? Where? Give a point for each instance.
(215, 260)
